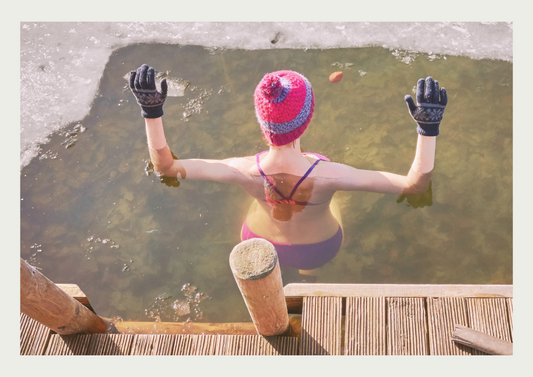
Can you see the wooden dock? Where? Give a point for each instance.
(326, 319)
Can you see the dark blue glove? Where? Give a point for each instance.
(142, 85)
(429, 109)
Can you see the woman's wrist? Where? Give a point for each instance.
(425, 154)
(155, 133)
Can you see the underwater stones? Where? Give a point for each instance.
(176, 267)
(90, 265)
(390, 210)
(236, 114)
(147, 222)
(63, 252)
(335, 77)
(137, 177)
(54, 231)
(123, 207)
(128, 303)
(124, 281)
(105, 258)
(206, 269)
(124, 166)
(128, 196)
(41, 200)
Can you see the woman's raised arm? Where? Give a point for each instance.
(231, 170)
(347, 178)
(142, 85)
(427, 113)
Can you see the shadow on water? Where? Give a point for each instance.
(92, 215)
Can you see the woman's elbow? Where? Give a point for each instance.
(417, 186)
(162, 170)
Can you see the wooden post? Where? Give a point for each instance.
(481, 341)
(48, 304)
(255, 266)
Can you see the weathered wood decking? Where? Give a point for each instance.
(336, 319)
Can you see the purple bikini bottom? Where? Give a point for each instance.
(302, 256)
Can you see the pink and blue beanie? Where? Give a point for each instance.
(284, 105)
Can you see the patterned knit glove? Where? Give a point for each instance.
(429, 109)
(142, 85)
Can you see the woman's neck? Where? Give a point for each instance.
(287, 158)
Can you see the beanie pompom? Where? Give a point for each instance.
(271, 87)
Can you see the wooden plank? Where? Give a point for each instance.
(75, 292)
(490, 316)
(221, 343)
(150, 344)
(34, 336)
(407, 327)
(365, 326)
(77, 344)
(167, 344)
(232, 345)
(110, 344)
(204, 344)
(321, 326)
(244, 345)
(443, 314)
(282, 345)
(510, 313)
(143, 344)
(183, 345)
(255, 345)
(397, 290)
(163, 344)
(182, 328)
(56, 346)
(275, 345)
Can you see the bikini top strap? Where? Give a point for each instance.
(304, 177)
(295, 186)
(259, 166)
(264, 175)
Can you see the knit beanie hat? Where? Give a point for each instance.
(284, 105)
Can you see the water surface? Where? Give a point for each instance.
(139, 248)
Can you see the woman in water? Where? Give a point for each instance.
(293, 191)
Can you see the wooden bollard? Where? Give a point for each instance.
(48, 304)
(255, 266)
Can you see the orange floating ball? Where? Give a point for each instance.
(335, 77)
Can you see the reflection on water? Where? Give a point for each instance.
(167, 236)
(417, 200)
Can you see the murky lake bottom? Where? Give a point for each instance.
(92, 215)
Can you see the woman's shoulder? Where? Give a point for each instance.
(316, 156)
(330, 169)
(242, 164)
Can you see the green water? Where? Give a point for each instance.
(92, 216)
